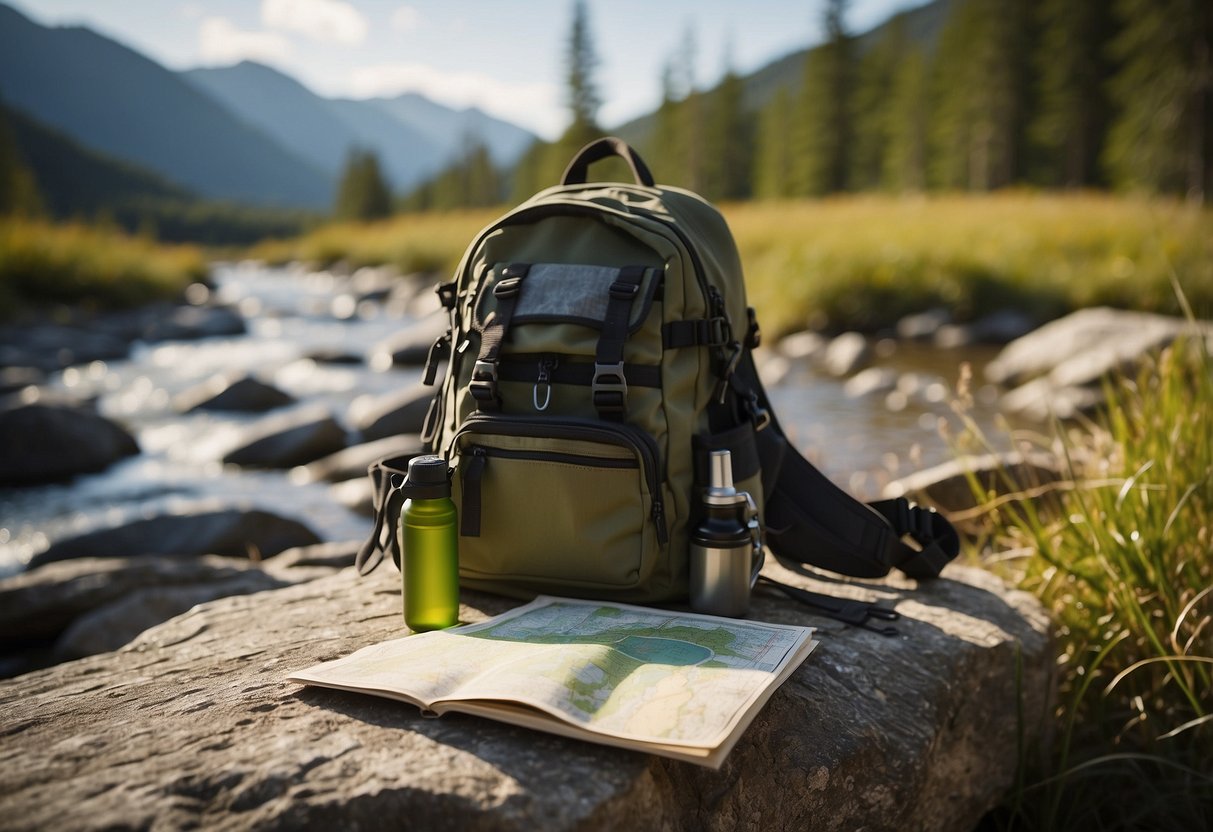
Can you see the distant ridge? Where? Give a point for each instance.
(114, 100)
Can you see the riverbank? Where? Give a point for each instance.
(864, 262)
(65, 269)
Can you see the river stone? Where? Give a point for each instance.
(46, 442)
(392, 414)
(288, 439)
(946, 486)
(354, 461)
(922, 326)
(801, 346)
(13, 379)
(1084, 345)
(1041, 400)
(245, 393)
(50, 347)
(229, 532)
(845, 354)
(411, 345)
(186, 323)
(194, 725)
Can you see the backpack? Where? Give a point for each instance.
(599, 349)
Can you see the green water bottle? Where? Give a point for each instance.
(429, 546)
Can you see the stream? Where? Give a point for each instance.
(860, 442)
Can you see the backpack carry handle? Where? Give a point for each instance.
(604, 148)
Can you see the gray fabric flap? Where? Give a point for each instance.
(569, 293)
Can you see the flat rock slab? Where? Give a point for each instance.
(193, 725)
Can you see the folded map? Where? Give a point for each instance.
(671, 683)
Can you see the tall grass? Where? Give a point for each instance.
(1121, 554)
(864, 261)
(87, 266)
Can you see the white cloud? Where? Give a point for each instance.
(220, 42)
(323, 20)
(534, 105)
(406, 19)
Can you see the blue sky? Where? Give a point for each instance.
(504, 57)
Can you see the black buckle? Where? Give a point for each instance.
(609, 388)
(753, 335)
(624, 290)
(507, 288)
(446, 294)
(483, 385)
(714, 332)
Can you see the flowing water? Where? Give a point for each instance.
(859, 442)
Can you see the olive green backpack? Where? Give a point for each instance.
(599, 348)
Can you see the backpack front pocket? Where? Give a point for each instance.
(557, 502)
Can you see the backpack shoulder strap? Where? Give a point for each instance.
(811, 520)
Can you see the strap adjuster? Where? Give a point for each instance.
(508, 287)
(623, 290)
(609, 388)
(483, 385)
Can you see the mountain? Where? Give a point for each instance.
(76, 181)
(114, 100)
(922, 26)
(449, 128)
(412, 136)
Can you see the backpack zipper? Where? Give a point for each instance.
(622, 435)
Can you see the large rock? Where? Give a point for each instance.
(410, 346)
(947, 486)
(86, 606)
(44, 442)
(244, 393)
(354, 461)
(228, 532)
(193, 725)
(289, 439)
(1083, 346)
(392, 414)
(187, 323)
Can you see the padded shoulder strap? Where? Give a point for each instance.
(810, 520)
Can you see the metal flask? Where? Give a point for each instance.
(726, 550)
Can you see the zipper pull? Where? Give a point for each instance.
(658, 513)
(469, 521)
(546, 365)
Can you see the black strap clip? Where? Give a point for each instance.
(483, 385)
(609, 389)
(446, 294)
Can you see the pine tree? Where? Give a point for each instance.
(904, 162)
(823, 124)
(728, 142)
(18, 190)
(980, 82)
(871, 115)
(1071, 119)
(543, 163)
(773, 149)
(1162, 139)
(362, 193)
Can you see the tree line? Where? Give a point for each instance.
(1042, 93)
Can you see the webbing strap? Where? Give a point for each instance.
(811, 520)
(387, 500)
(483, 385)
(609, 385)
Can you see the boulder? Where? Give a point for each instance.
(946, 486)
(47, 441)
(193, 725)
(230, 532)
(245, 394)
(334, 355)
(411, 345)
(50, 347)
(1041, 400)
(187, 323)
(845, 354)
(400, 412)
(922, 326)
(289, 439)
(353, 461)
(1083, 346)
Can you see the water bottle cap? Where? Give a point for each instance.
(429, 479)
(720, 483)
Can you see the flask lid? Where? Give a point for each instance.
(429, 478)
(720, 481)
